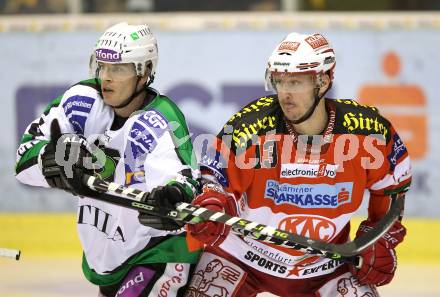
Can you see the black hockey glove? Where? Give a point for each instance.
(63, 162)
(164, 197)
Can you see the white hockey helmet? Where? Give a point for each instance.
(301, 54)
(124, 43)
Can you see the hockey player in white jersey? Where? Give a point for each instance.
(140, 139)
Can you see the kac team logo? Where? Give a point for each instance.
(309, 195)
(316, 41)
(314, 227)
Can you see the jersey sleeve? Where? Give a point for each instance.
(36, 136)
(392, 177)
(228, 165)
(155, 156)
(72, 109)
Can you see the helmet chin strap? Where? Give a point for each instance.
(311, 110)
(135, 93)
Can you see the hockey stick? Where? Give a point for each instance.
(9, 253)
(111, 192)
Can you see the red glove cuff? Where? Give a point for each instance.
(391, 238)
(215, 200)
(212, 233)
(379, 262)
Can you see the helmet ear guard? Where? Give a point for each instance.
(148, 66)
(93, 66)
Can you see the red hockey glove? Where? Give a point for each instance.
(212, 233)
(379, 262)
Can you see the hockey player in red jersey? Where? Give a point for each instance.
(300, 162)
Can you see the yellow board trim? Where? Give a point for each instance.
(40, 235)
(48, 235)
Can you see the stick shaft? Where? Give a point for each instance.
(193, 214)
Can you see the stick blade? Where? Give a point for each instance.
(10, 253)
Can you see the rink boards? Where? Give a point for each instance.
(51, 261)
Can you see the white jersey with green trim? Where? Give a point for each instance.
(150, 149)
